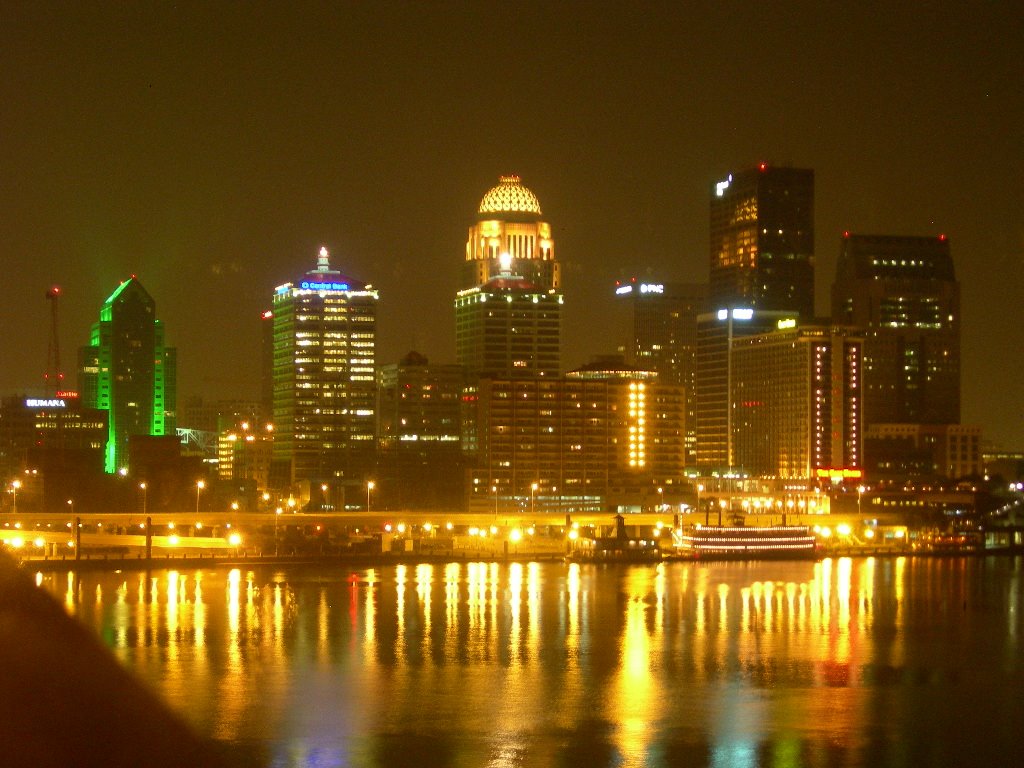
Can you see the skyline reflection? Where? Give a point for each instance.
(524, 663)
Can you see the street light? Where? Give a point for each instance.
(494, 490)
(323, 496)
(199, 486)
(533, 499)
(14, 494)
(370, 485)
(661, 499)
(142, 486)
(860, 492)
(277, 517)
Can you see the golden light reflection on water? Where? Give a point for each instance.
(511, 651)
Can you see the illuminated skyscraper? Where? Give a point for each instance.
(508, 317)
(128, 371)
(324, 390)
(903, 292)
(509, 222)
(762, 240)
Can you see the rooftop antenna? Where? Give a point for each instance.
(54, 376)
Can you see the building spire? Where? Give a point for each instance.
(323, 260)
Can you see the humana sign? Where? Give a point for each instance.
(32, 402)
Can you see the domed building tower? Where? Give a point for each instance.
(508, 315)
(510, 224)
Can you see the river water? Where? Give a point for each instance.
(843, 662)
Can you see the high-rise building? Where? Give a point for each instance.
(796, 402)
(661, 335)
(508, 315)
(509, 222)
(128, 371)
(324, 386)
(762, 240)
(715, 403)
(902, 291)
(419, 442)
(509, 327)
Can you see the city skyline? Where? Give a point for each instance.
(215, 174)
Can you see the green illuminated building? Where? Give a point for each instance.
(128, 371)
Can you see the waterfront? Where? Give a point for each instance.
(887, 661)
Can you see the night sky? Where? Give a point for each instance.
(211, 148)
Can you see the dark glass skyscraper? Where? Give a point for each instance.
(903, 292)
(128, 371)
(762, 240)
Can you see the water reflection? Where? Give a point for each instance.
(784, 664)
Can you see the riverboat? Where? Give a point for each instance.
(746, 542)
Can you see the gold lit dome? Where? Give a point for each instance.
(510, 196)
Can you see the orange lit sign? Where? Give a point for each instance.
(839, 474)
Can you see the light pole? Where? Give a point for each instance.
(323, 496)
(14, 496)
(199, 486)
(370, 485)
(860, 493)
(661, 499)
(533, 499)
(142, 487)
(494, 490)
(277, 518)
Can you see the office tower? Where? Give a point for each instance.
(508, 317)
(903, 292)
(796, 395)
(324, 388)
(509, 221)
(762, 240)
(52, 445)
(419, 442)
(128, 371)
(715, 404)
(508, 327)
(571, 443)
(661, 335)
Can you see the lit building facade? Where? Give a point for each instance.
(661, 336)
(762, 240)
(567, 443)
(717, 333)
(796, 400)
(903, 292)
(324, 327)
(420, 463)
(128, 371)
